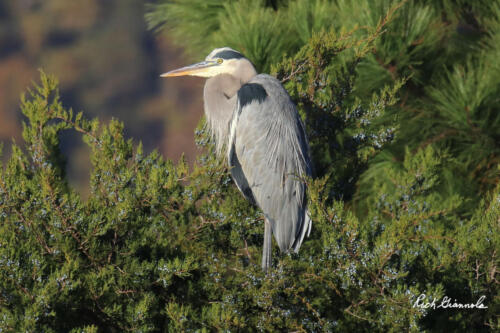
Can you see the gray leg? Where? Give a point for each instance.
(266, 253)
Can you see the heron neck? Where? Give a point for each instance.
(220, 100)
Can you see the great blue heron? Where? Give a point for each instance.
(253, 119)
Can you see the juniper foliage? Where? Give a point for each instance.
(158, 246)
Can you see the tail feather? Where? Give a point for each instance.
(305, 230)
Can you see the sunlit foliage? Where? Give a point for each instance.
(397, 210)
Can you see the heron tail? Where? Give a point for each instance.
(304, 230)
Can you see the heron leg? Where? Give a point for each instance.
(266, 253)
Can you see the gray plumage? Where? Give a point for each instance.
(254, 121)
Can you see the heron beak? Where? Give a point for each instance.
(195, 69)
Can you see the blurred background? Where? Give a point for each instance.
(108, 64)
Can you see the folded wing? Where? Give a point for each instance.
(268, 155)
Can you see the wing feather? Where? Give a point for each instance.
(268, 155)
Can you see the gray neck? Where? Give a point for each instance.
(220, 97)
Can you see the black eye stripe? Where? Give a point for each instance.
(228, 54)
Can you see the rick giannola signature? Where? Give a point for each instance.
(446, 302)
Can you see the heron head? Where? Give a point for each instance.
(220, 61)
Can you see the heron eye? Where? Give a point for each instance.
(219, 61)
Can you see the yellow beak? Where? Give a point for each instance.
(194, 69)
